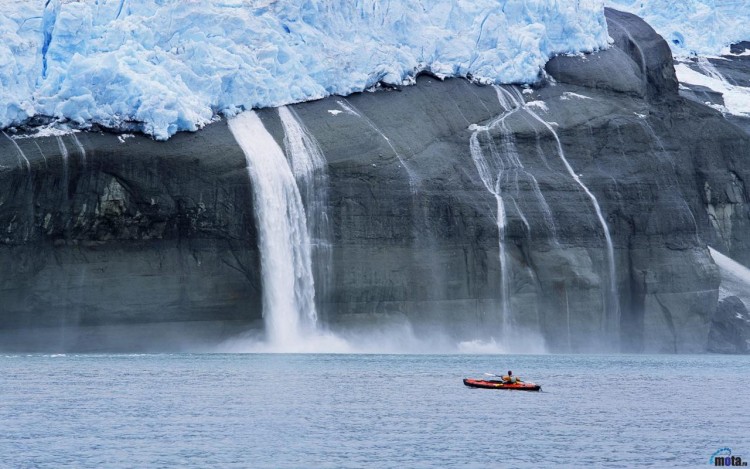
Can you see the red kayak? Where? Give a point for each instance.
(484, 384)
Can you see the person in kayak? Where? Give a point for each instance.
(510, 379)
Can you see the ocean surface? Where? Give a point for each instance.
(361, 411)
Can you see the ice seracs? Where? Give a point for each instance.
(702, 27)
(162, 66)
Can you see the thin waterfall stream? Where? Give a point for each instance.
(501, 167)
(612, 314)
(309, 168)
(498, 168)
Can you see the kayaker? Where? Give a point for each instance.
(510, 379)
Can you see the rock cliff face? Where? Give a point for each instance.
(608, 186)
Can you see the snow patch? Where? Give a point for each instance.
(736, 98)
(570, 95)
(735, 277)
(541, 105)
(47, 131)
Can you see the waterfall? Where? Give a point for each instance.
(351, 110)
(503, 164)
(22, 160)
(492, 183)
(80, 147)
(65, 156)
(288, 286)
(612, 315)
(309, 168)
(510, 102)
(491, 172)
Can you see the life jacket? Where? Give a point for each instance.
(510, 379)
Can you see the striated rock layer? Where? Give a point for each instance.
(144, 245)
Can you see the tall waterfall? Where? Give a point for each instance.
(612, 313)
(503, 168)
(496, 172)
(309, 168)
(492, 181)
(288, 286)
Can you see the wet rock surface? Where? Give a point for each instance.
(730, 327)
(148, 245)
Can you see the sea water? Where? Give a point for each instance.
(379, 411)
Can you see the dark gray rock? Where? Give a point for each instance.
(649, 51)
(740, 47)
(730, 327)
(131, 233)
(611, 69)
(153, 245)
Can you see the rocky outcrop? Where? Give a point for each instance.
(730, 327)
(148, 245)
(124, 243)
(725, 192)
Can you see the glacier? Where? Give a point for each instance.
(163, 66)
(693, 27)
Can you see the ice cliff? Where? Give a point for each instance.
(162, 66)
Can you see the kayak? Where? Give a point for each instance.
(484, 384)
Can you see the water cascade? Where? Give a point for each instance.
(491, 178)
(309, 168)
(284, 241)
(510, 102)
(503, 167)
(80, 147)
(65, 157)
(612, 313)
(350, 109)
(22, 160)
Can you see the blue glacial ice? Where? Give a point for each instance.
(162, 66)
(693, 27)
